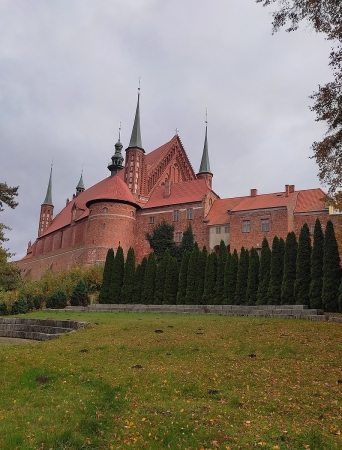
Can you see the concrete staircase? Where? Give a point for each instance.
(279, 311)
(37, 329)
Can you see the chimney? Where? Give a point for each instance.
(287, 190)
(292, 188)
(167, 191)
(254, 192)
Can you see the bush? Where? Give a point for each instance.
(38, 301)
(20, 306)
(58, 300)
(80, 296)
(3, 309)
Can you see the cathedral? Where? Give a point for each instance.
(144, 189)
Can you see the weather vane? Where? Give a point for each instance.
(139, 84)
(206, 115)
(119, 131)
(176, 130)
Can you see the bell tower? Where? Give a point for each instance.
(46, 209)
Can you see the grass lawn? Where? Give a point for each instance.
(204, 382)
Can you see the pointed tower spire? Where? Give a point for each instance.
(204, 170)
(80, 186)
(135, 141)
(48, 197)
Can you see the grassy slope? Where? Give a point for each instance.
(197, 388)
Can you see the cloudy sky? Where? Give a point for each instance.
(69, 72)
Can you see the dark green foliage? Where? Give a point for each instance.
(187, 243)
(3, 309)
(192, 284)
(107, 277)
(139, 281)
(339, 297)
(38, 300)
(289, 277)
(316, 284)
(202, 262)
(253, 277)
(57, 300)
(331, 270)
(242, 278)
(171, 282)
(20, 306)
(264, 273)
(128, 278)
(160, 278)
(276, 272)
(210, 280)
(117, 277)
(230, 277)
(303, 268)
(183, 275)
(80, 297)
(221, 264)
(147, 295)
(161, 239)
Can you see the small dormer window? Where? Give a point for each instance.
(105, 210)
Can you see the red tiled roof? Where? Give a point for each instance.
(111, 188)
(310, 200)
(185, 192)
(262, 201)
(218, 212)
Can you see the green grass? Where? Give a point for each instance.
(193, 391)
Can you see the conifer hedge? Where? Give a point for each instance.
(331, 270)
(303, 275)
(316, 284)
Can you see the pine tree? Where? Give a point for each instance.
(139, 281)
(187, 243)
(128, 278)
(107, 277)
(183, 275)
(202, 262)
(230, 278)
(221, 264)
(117, 277)
(289, 277)
(171, 282)
(160, 278)
(161, 239)
(191, 282)
(147, 295)
(303, 277)
(316, 284)
(79, 296)
(339, 296)
(331, 270)
(242, 277)
(276, 272)
(264, 273)
(210, 279)
(253, 277)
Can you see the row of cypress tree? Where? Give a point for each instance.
(290, 272)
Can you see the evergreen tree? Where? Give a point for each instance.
(253, 277)
(107, 277)
(183, 275)
(316, 284)
(276, 272)
(117, 277)
(79, 296)
(139, 281)
(147, 295)
(303, 277)
(242, 277)
(221, 264)
(210, 280)
(202, 261)
(191, 282)
(187, 243)
(264, 273)
(230, 278)
(129, 278)
(161, 239)
(331, 270)
(171, 282)
(289, 277)
(339, 297)
(160, 278)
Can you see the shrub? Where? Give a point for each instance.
(3, 308)
(38, 301)
(58, 300)
(80, 295)
(20, 306)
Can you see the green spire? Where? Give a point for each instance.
(136, 135)
(205, 165)
(80, 186)
(48, 197)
